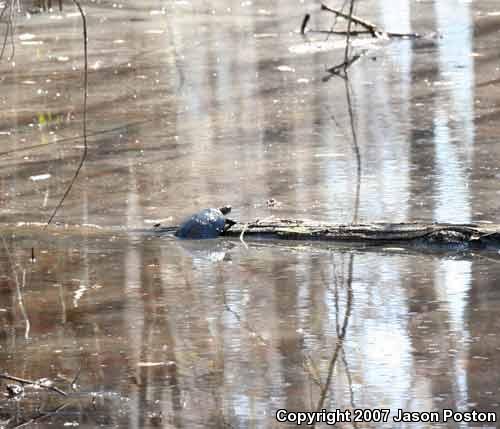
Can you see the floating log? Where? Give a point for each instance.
(437, 235)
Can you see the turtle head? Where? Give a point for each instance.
(225, 209)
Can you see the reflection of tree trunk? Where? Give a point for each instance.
(172, 376)
(428, 331)
(169, 372)
(150, 378)
(483, 357)
(422, 184)
(289, 343)
(47, 4)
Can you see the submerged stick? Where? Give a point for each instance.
(242, 234)
(44, 383)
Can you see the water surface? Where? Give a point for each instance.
(195, 104)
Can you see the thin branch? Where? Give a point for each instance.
(303, 26)
(348, 37)
(352, 33)
(342, 67)
(372, 28)
(369, 28)
(85, 95)
(355, 33)
(356, 152)
(242, 235)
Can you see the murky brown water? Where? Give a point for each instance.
(203, 103)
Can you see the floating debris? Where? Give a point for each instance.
(39, 177)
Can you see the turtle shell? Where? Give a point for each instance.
(208, 223)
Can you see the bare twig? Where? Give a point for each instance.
(242, 235)
(372, 28)
(353, 33)
(304, 23)
(369, 28)
(356, 152)
(348, 37)
(342, 67)
(85, 95)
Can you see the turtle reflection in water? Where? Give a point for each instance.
(208, 223)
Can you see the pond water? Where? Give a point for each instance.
(202, 103)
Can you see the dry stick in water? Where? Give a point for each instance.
(242, 234)
(356, 150)
(85, 148)
(348, 61)
(38, 383)
(372, 28)
(344, 65)
(348, 37)
(307, 17)
(85, 94)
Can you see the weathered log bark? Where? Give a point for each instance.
(455, 236)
